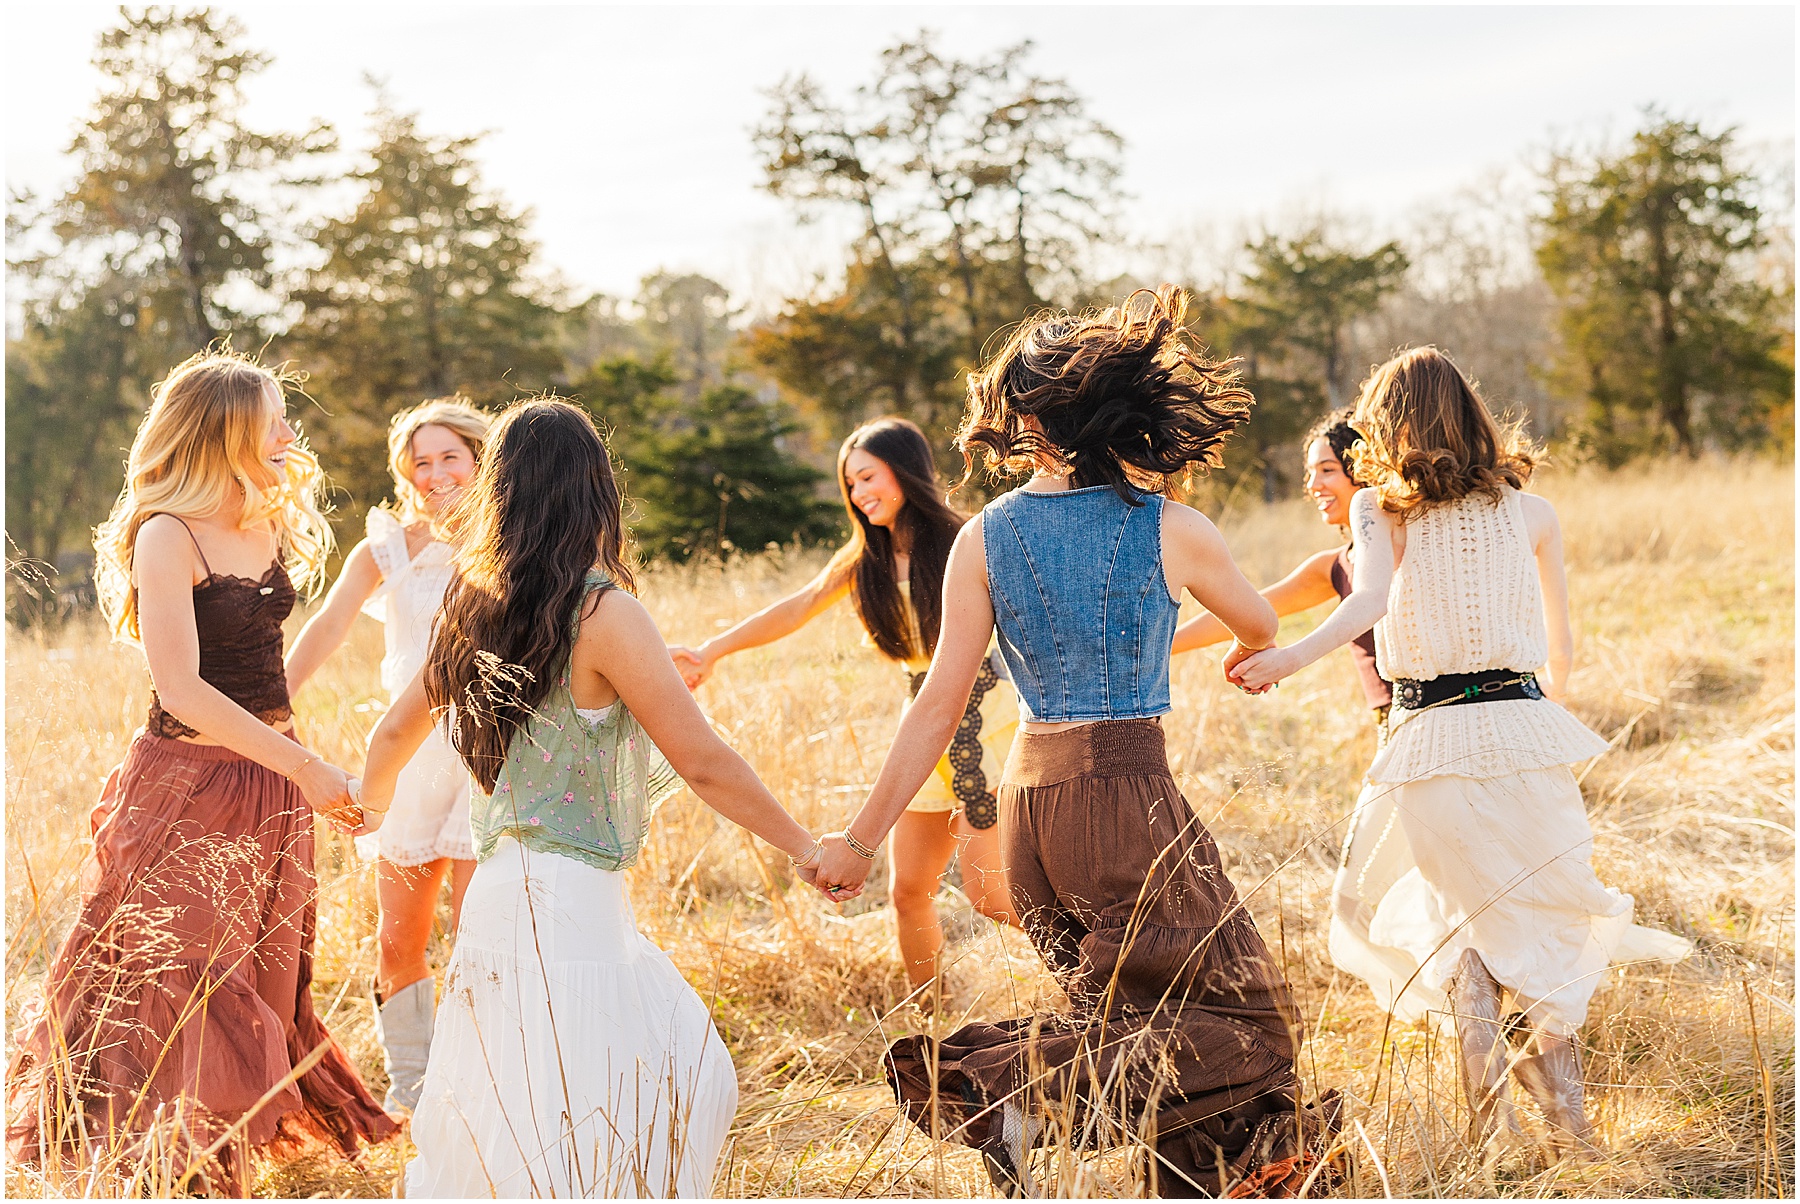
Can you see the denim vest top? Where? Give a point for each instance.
(1081, 603)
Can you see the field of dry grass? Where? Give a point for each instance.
(1682, 580)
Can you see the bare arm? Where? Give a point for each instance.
(1553, 581)
(1196, 559)
(393, 742)
(767, 625)
(165, 567)
(1307, 586)
(324, 633)
(968, 623)
(1372, 570)
(619, 643)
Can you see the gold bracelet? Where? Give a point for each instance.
(858, 847)
(812, 854)
(289, 775)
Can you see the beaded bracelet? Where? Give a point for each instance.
(858, 847)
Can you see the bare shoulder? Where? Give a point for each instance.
(613, 612)
(1540, 518)
(163, 540)
(1184, 526)
(1319, 563)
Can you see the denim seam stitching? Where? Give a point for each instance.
(1106, 614)
(1024, 642)
(1049, 617)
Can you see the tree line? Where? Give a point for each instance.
(1649, 311)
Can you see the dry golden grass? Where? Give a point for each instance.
(1683, 595)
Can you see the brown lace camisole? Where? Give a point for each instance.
(1362, 648)
(239, 624)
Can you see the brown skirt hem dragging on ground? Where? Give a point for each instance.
(181, 1003)
(1182, 1032)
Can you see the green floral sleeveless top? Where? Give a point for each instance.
(577, 787)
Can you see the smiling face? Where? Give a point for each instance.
(279, 438)
(873, 488)
(1329, 486)
(442, 465)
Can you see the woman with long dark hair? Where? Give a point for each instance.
(892, 570)
(570, 1058)
(1180, 1035)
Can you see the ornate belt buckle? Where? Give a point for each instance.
(1409, 695)
(1530, 685)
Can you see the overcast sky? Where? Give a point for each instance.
(625, 130)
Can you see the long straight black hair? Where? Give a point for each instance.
(544, 509)
(930, 526)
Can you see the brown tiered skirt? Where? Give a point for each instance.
(186, 985)
(1182, 1031)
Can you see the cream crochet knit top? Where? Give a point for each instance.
(1466, 599)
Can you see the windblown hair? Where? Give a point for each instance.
(199, 448)
(456, 415)
(1340, 436)
(1429, 440)
(544, 509)
(1123, 397)
(930, 527)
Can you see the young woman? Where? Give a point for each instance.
(182, 1000)
(571, 1059)
(1323, 576)
(892, 570)
(1181, 1032)
(1480, 880)
(398, 575)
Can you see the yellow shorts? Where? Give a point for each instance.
(999, 721)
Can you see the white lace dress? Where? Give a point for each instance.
(429, 818)
(1471, 831)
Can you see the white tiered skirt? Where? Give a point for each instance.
(1500, 865)
(571, 1059)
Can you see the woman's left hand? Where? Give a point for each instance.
(842, 870)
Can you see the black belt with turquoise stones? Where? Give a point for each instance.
(1454, 689)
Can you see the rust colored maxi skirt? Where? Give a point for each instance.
(186, 984)
(1182, 1032)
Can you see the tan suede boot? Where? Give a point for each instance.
(1550, 1070)
(1475, 1004)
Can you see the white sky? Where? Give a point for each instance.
(625, 130)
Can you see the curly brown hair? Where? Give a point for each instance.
(1121, 396)
(1429, 439)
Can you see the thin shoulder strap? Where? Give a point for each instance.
(191, 535)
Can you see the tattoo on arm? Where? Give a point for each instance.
(1365, 523)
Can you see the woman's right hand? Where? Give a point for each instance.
(326, 789)
(694, 667)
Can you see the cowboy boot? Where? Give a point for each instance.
(1550, 1071)
(1008, 1156)
(1475, 1003)
(403, 1025)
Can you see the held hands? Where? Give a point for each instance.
(841, 869)
(1260, 671)
(327, 790)
(693, 667)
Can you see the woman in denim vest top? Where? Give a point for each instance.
(1180, 1038)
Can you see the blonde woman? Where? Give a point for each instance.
(182, 999)
(398, 575)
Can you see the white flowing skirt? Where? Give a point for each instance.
(571, 1059)
(429, 817)
(1499, 865)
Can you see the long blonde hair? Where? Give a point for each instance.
(456, 415)
(1428, 438)
(206, 428)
